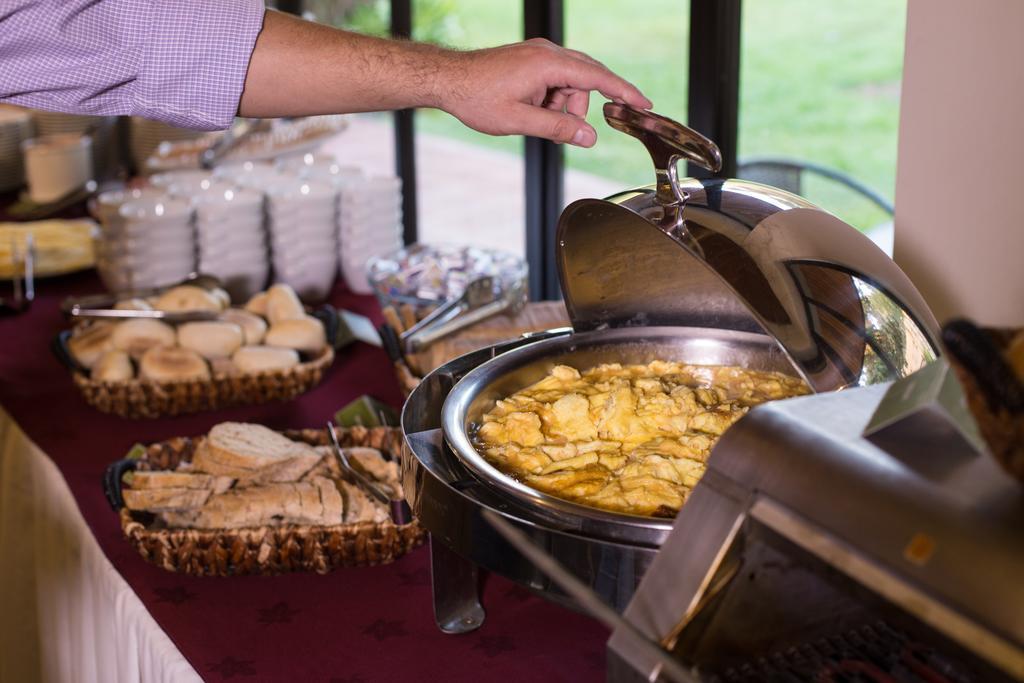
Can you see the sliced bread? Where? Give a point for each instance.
(330, 497)
(162, 500)
(272, 504)
(251, 446)
(162, 479)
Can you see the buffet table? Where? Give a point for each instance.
(77, 603)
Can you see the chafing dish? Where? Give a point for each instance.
(807, 552)
(703, 271)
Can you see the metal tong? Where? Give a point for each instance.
(101, 306)
(23, 282)
(478, 302)
(238, 133)
(399, 509)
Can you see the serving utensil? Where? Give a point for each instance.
(397, 507)
(101, 306)
(478, 302)
(22, 277)
(232, 138)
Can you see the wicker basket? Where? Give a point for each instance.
(265, 550)
(140, 398)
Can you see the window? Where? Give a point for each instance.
(818, 92)
(470, 185)
(646, 44)
(820, 85)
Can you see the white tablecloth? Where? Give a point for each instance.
(65, 612)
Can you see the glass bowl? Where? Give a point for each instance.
(426, 275)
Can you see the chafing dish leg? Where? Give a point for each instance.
(456, 586)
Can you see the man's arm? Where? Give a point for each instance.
(533, 88)
(186, 61)
(179, 61)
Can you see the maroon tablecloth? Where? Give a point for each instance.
(355, 625)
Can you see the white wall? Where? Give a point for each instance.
(960, 175)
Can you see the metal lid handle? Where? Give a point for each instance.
(667, 141)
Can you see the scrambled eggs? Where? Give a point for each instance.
(629, 438)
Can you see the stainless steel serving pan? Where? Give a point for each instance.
(477, 392)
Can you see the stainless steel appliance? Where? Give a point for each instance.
(712, 271)
(807, 552)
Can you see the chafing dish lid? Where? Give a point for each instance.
(739, 255)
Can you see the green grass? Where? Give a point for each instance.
(819, 82)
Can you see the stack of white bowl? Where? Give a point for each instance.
(15, 127)
(230, 236)
(302, 225)
(147, 239)
(102, 129)
(369, 225)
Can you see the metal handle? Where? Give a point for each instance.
(112, 481)
(60, 349)
(667, 141)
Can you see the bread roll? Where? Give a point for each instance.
(257, 304)
(222, 297)
(283, 304)
(305, 334)
(253, 326)
(138, 336)
(113, 366)
(211, 339)
(223, 366)
(133, 305)
(89, 342)
(261, 358)
(170, 363)
(187, 298)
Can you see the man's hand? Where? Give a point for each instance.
(299, 68)
(532, 88)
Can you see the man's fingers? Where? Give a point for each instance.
(544, 123)
(585, 57)
(577, 103)
(584, 75)
(556, 100)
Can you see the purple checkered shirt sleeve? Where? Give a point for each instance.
(179, 61)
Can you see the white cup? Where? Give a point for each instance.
(56, 165)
